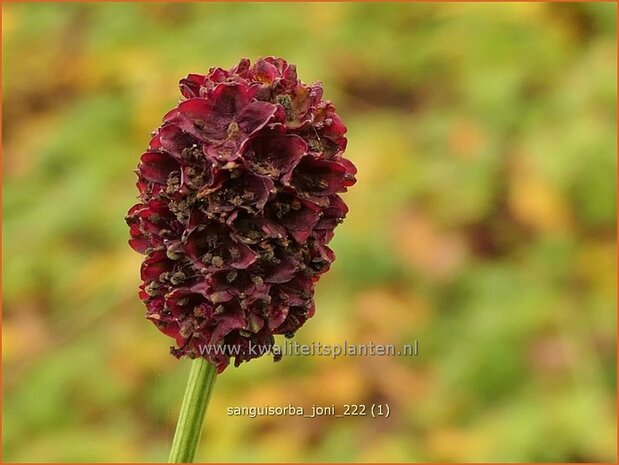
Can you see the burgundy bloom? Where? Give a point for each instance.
(238, 198)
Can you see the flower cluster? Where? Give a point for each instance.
(238, 198)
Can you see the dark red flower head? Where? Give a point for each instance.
(238, 198)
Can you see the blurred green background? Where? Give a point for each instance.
(482, 225)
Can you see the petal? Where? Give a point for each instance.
(206, 238)
(250, 228)
(154, 265)
(235, 283)
(241, 256)
(278, 267)
(198, 174)
(133, 213)
(277, 315)
(149, 190)
(232, 318)
(351, 169)
(330, 126)
(156, 167)
(229, 99)
(297, 316)
(297, 291)
(298, 216)
(216, 76)
(272, 152)
(171, 139)
(333, 214)
(265, 71)
(190, 86)
(198, 117)
(321, 257)
(140, 244)
(255, 116)
(314, 177)
(242, 68)
(183, 303)
(212, 248)
(297, 102)
(242, 189)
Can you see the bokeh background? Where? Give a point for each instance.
(482, 225)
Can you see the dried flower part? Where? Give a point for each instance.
(238, 198)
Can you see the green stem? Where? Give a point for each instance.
(189, 428)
